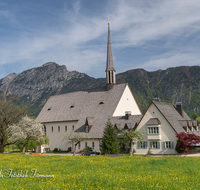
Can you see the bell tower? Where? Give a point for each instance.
(110, 70)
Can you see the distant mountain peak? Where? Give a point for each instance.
(49, 63)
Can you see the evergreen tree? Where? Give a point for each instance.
(109, 144)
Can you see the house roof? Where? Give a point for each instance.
(153, 121)
(173, 117)
(121, 121)
(82, 105)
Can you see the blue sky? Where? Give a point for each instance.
(148, 34)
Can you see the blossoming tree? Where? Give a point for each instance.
(27, 130)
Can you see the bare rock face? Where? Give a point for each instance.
(33, 83)
(4, 83)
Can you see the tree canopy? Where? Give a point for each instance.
(10, 113)
(131, 137)
(186, 142)
(27, 130)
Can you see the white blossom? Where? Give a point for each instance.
(26, 129)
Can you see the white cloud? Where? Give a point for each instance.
(133, 23)
(172, 59)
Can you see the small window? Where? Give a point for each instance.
(85, 144)
(65, 128)
(168, 145)
(101, 103)
(51, 129)
(155, 145)
(58, 128)
(48, 109)
(142, 145)
(87, 129)
(72, 127)
(92, 144)
(71, 106)
(79, 145)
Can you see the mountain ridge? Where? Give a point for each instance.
(176, 84)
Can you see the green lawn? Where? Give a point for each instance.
(100, 172)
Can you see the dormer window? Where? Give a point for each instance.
(71, 106)
(126, 127)
(101, 103)
(153, 130)
(87, 129)
(48, 109)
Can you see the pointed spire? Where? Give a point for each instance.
(110, 70)
(110, 62)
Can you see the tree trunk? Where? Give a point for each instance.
(2, 146)
(24, 149)
(131, 148)
(74, 149)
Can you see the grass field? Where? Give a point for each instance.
(99, 172)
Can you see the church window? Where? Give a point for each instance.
(52, 129)
(58, 128)
(65, 128)
(45, 129)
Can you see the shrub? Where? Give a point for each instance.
(186, 142)
(55, 150)
(86, 149)
(69, 149)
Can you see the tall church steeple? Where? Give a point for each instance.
(110, 70)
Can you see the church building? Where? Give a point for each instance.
(86, 112)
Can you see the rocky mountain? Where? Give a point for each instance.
(35, 86)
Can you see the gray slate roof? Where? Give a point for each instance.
(153, 121)
(121, 121)
(173, 117)
(85, 106)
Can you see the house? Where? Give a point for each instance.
(86, 112)
(159, 126)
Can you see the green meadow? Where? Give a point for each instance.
(67, 172)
